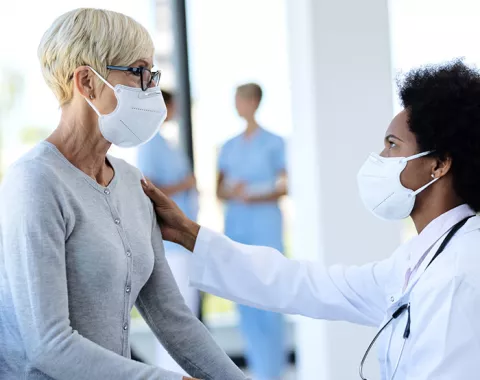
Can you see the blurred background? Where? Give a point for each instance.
(327, 69)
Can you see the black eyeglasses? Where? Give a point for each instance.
(147, 77)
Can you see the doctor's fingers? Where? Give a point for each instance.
(158, 198)
(168, 213)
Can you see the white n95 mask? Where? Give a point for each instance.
(380, 188)
(137, 117)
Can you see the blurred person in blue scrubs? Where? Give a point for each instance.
(251, 181)
(164, 163)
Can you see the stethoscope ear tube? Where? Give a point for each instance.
(406, 334)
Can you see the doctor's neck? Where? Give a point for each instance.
(429, 207)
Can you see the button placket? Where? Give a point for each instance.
(128, 278)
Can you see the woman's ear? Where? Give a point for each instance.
(84, 81)
(441, 167)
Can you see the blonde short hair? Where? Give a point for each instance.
(92, 37)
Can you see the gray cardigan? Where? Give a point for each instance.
(75, 257)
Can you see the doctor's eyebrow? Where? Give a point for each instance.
(390, 136)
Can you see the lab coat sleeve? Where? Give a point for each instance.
(262, 277)
(445, 340)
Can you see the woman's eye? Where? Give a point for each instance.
(136, 73)
(392, 144)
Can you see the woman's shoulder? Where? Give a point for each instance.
(124, 169)
(128, 177)
(272, 135)
(128, 186)
(38, 167)
(32, 182)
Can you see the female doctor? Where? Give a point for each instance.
(424, 298)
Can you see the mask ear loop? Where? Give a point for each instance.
(418, 155)
(425, 186)
(104, 81)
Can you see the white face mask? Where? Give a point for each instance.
(137, 117)
(381, 190)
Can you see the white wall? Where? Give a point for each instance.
(342, 103)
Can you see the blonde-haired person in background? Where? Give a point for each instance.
(251, 181)
(79, 243)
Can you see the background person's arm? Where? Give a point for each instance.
(280, 191)
(225, 193)
(185, 338)
(277, 159)
(33, 234)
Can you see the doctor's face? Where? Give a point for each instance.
(401, 142)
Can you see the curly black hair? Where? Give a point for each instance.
(443, 105)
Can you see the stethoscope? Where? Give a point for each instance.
(406, 307)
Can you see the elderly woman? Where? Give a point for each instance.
(79, 243)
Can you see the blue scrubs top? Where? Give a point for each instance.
(166, 165)
(256, 161)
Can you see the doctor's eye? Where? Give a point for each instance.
(392, 144)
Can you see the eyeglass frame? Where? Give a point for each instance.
(138, 71)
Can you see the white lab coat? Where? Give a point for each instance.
(444, 343)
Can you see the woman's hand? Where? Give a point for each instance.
(175, 226)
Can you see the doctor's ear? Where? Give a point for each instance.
(441, 166)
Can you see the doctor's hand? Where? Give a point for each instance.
(174, 224)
